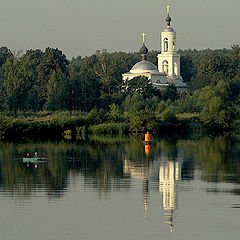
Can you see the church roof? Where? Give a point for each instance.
(168, 29)
(144, 67)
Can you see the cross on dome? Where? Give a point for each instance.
(168, 9)
(143, 37)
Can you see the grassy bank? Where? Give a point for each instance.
(72, 124)
(39, 125)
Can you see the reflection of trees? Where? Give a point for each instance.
(104, 167)
(218, 158)
(109, 164)
(52, 175)
(100, 163)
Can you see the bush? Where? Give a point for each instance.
(109, 128)
(96, 116)
(163, 105)
(168, 115)
(5, 125)
(115, 113)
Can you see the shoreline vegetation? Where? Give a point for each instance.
(72, 125)
(43, 94)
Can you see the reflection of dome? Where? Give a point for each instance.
(144, 67)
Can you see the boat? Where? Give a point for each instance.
(32, 160)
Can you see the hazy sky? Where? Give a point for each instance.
(80, 27)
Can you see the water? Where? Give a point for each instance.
(117, 188)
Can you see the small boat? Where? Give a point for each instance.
(32, 160)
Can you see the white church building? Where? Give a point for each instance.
(168, 70)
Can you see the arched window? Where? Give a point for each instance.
(165, 66)
(165, 41)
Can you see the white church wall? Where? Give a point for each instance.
(171, 36)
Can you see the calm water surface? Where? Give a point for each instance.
(117, 188)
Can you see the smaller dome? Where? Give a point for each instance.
(168, 19)
(144, 67)
(143, 49)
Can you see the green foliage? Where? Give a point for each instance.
(141, 121)
(5, 53)
(188, 103)
(163, 105)
(168, 115)
(46, 80)
(96, 116)
(17, 83)
(109, 128)
(133, 103)
(53, 60)
(40, 125)
(5, 125)
(115, 113)
(217, 109)
(201, 68)
(58, 92)
(140, 85)
(139, 116)
(170, 93)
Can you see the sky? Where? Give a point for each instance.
(80, 27)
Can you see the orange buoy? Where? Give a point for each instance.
(147, 149)
(147, 137)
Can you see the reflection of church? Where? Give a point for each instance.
(168, 71)
(166, 172)
(169, 173)
(140, 171)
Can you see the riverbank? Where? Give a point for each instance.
(74, 124)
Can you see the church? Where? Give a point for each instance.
(168, 70)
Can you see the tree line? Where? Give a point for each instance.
(46, 80)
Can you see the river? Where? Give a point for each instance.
(116, 188)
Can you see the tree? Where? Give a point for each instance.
(140, 118)
(104, 71)
(168, 115)
(58, 92)
(187, 68)
(115, 113)
(30, 62)
(5, 53)
(171, 93)
(217, 109)
(140, 85)
(16, 83)
(52, 60)
(85, 84)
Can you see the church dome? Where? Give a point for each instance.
(144, 67)
(143, 49)
(168, 19)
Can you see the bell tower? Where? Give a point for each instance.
(168, 59)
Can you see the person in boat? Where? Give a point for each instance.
(28, 156)
(36, 155)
